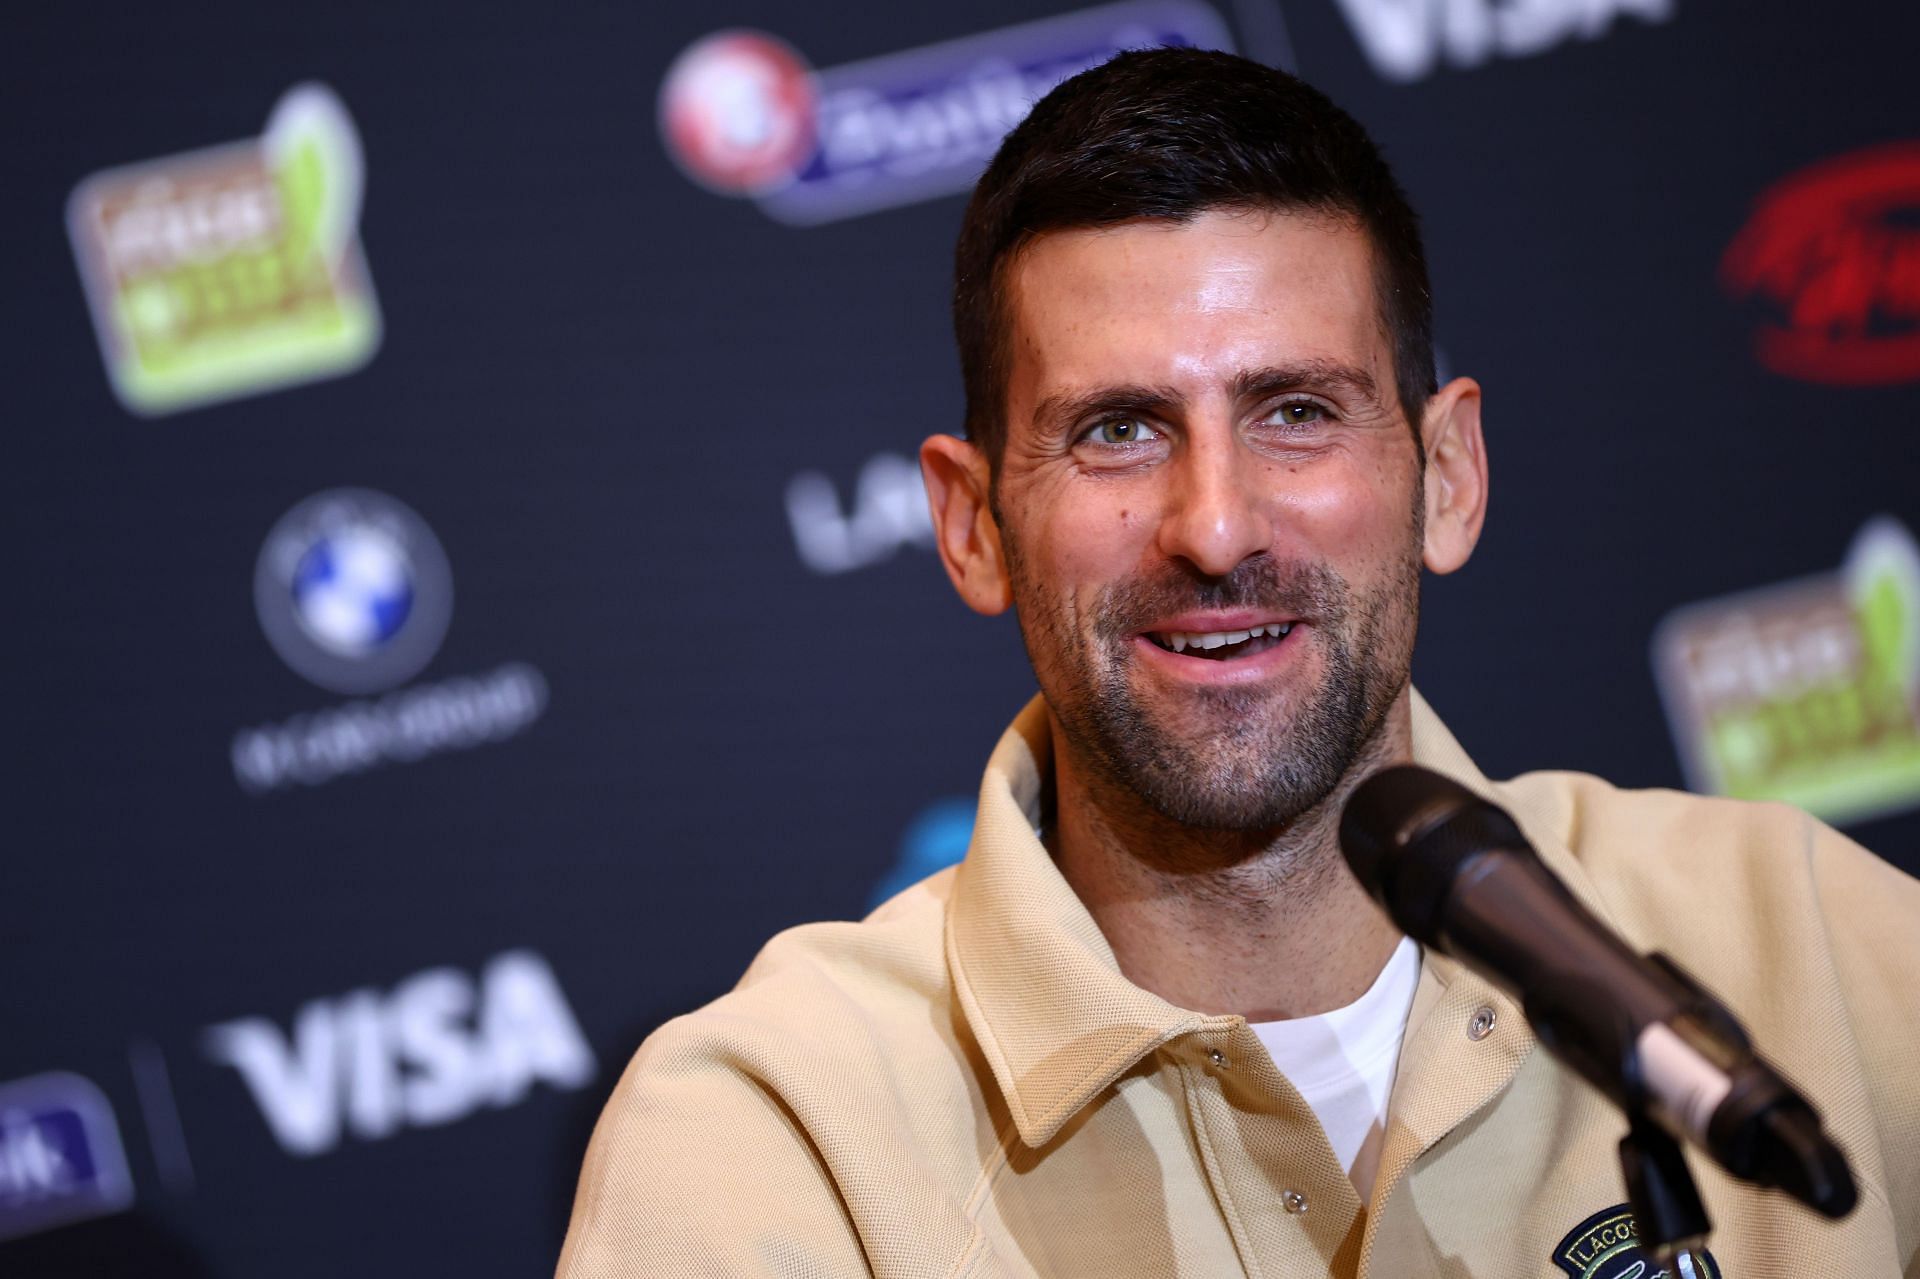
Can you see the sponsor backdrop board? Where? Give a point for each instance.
(470, 584)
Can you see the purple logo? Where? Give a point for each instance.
(896, 129)
(60, 1155)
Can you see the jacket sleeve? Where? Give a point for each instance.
(696, 1168)
(1872, 914)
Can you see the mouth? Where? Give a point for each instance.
(1221, 646)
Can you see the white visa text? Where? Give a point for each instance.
(436, 1048)
(1406, 40)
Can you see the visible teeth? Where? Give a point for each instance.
(1181, 641)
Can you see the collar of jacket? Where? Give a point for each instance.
(1057, 1021)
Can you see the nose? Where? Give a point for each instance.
(1217, 513)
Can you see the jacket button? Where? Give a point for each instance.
(1217, 1057)
(1294, 1202)
(1480, 1025)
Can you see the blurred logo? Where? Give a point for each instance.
(1406, 39)
(936, 839)
(738, 108)
(1607, 1246)
(741, 113)
(1809, 691)
(1831, 258)
(889, 511)
(438, 1047)
(60, 1154)
(231, 270)
(353, 591)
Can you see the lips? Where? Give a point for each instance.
(1220, 636)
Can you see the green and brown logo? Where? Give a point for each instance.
(1607, 1246)
(231, 270)
(1808, 691)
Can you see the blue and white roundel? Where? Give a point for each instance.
(353, 591)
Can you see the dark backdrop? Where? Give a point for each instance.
(598, 386)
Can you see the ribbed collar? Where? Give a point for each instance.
(1041, 989)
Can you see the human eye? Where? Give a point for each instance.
(1298, 413)
(1119, 432)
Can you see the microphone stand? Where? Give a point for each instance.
(1455, 872)
(1666, 1205)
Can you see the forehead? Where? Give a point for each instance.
(1190, 305)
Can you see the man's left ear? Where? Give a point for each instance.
(1456, 478)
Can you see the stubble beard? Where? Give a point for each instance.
(1243, 760)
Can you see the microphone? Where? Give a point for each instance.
(1454, 872)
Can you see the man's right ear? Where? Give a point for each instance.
(958, 481)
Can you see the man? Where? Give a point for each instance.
(1151, 1026)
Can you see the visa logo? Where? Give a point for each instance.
(434, 1049)
(1406, 40)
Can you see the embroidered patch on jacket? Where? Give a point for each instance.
(1607, 1246)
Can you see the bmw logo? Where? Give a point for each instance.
(353, 591)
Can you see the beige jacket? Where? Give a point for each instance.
(964, 1084)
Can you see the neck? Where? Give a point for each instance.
(1267, 924)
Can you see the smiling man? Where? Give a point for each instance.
(1151, 1025)
(1209, 510)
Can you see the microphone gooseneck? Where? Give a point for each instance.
(1455, 872)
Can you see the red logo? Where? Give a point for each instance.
(1833, 255)
(737, 108)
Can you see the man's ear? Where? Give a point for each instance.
(958, 480)
(1456, 476)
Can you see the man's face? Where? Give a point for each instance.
(1210, 506)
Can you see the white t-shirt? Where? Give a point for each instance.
(1343, 1061)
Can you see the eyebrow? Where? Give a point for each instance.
(1330, 375)
(1064, 408)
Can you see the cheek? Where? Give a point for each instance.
(1351, 515)
(1078, 546)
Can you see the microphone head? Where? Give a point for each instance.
(1805, 1163)
(1406, 832)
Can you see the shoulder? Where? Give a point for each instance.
(732, 1138)
(1762, 901)
(838, 1030)
(1674, 838)
(1635, 844)
(1807, 936)
(1715, 883)
(820, 994)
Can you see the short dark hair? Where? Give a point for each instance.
(1169, 134)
